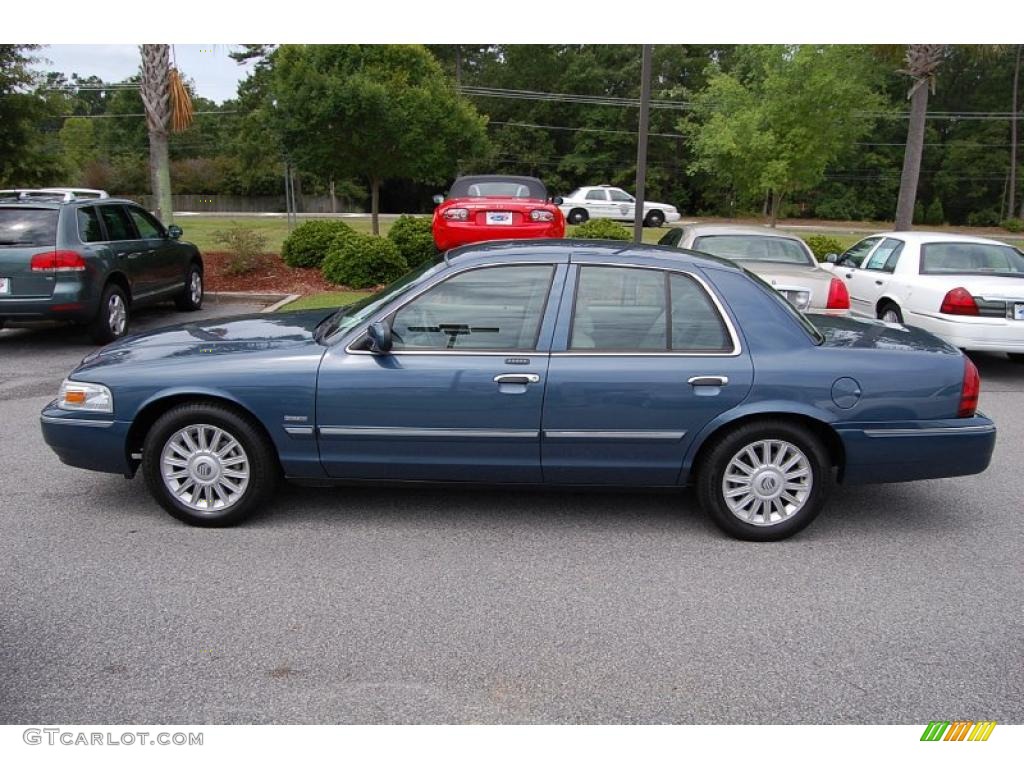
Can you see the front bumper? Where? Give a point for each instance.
(93, 441)
(894, 452)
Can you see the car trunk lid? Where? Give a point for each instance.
(26, 232)
(856, 333)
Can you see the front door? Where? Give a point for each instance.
(131, 255)
(162, 256)
(642, 360)
(459, 397)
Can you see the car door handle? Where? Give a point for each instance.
(708, 381)
(879, 282)
(849, 275)
(517, 378)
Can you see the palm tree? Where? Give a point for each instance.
(156, 98)
(921, 63)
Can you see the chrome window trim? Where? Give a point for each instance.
(612, 434)
(929, 431)
(75, 422)
(428, 432)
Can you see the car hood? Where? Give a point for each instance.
(778, 273)
(856, 333)
(219, 336)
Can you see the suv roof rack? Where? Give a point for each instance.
(64, 194)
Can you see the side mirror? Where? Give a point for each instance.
(438, 199)
(379, 334)
(174, 232)
(557, 200)
(832, 258)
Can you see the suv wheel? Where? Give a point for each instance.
(208, 465)
(111, 321)
(191, 297)
(764, 481)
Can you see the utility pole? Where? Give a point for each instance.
(641, 144)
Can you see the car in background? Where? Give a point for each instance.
(535, 362)
(605, 202)
(966, 290)
(482, 208)
(81, 256)
(784, 261)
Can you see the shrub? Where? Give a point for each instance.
(986, 218)
(363, 261)
(307, 245)
(1013, 225)
(601, 229)
(246, 248)
(414, 237)
(822, 245)
(934, 214)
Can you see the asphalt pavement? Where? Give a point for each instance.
(900, 604)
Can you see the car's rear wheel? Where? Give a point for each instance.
(654, 219)
(1016, 357)
(764, 481)
(111, 321)
(578, 216)
(890, 313)
(191, 297)
(208, 465)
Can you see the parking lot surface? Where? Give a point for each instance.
(900, 604)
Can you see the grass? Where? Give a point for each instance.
(325, 300)
(201, 229)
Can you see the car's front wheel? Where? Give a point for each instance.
(654, 219)
(764, 481)
(208, 465)
(191, 297)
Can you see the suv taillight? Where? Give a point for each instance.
(969, 390)
(838, 296)
(58, 261)
(959, 302)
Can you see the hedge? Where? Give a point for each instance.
(363, 261)
(308, 244)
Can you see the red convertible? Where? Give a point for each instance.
(495, 208)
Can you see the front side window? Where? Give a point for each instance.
(618, 196)
(970, 259)
(597, 194)
(119, 226)
(782, 250)
(494, 308)
(855, 255)
(89, 225)
(886, 255)
(148, 227)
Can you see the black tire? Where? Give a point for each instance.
(888, 308)
(3, 322)
(727, 448)
(654, 219)
(1015, 357)
(191, 297)
(578, 216)
(109, 324)
(260, 461)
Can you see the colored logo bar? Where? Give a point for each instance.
(958, 730)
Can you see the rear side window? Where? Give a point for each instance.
(597, 194)
(147, 226)
(89, 230)
(119, 226)
(28, 226)
(696, 324)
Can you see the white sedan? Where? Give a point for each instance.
(606, 202)
(967, 290)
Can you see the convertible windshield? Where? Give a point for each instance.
(754, 248)
(349, 316)
(970, 259)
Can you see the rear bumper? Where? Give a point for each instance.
(72, 299)
(95, 442)
(983, 334)
(453, 234)
(894, 452)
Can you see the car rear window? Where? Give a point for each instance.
(970, 259)
(478, 186)
(28, 226)
(754, 248)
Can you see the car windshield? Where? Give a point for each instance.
(28, 226)
(477, 186)
(970, 259)
(349, 316)
(755, 248)
(781, 300)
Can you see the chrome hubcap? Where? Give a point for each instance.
(205, 468)
(195, 288)
(767, 482)
(890, 316)
(117, 314)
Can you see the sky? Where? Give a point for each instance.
(214, 73)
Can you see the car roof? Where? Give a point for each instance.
(55, 204)
(919, 236)
(737, 229)
(560, 249)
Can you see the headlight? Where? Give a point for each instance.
(456, 214)
(542, 216)
(82, 396)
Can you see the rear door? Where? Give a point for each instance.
(642, 360)
(25, 232)
(598, 206)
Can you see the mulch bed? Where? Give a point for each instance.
(272, 276)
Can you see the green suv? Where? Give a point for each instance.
(84, 257)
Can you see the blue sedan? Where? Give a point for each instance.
(568, 363)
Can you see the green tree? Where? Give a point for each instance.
(376, 111)
(772, 125)
(78, 140)
(27, 121)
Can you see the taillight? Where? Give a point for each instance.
(970, 390)
(959, 302)
(58, 261)
(838, 296)
(456, 214)
(542, 216)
